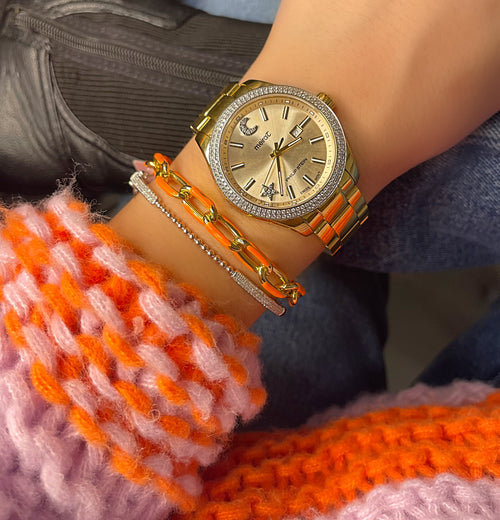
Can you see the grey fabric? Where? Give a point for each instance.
(102, 82)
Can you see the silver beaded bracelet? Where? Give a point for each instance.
(139, 186)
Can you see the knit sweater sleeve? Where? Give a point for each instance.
(118, 386)
(116, 383)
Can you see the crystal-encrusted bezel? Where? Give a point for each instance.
(238, 197)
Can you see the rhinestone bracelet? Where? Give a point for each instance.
(139, 185)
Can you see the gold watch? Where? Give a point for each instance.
(279, 153)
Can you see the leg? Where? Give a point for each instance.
(328, 350)
(475, 355)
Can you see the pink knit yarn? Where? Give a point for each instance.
(447, 497)
(48, 468)
(459, 393)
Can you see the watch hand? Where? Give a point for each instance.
(280, 175)
(268, 172)
(273, 155)
(289, 145)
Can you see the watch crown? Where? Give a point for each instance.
(326, 99)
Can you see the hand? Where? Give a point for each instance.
(277, 155)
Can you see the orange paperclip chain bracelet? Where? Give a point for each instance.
(272, 279)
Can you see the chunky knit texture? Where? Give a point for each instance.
(317, 471)
(117, 385)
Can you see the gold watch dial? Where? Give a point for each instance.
(277, 152)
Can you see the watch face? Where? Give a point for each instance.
(277, 152)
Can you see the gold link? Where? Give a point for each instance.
(239, 244)
(211, 216)
(335, 221)
(200, 123)
(185, 193)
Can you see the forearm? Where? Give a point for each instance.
(385, 70)
(410, 78)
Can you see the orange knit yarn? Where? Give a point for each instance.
(48, 386)
(120, 348)
(271, 475)
(199, 328)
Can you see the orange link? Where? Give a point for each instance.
(162, 158)
(332, 209)
(165, 186)
(47, 385)
(259, 255)
(218, 235)
(343, 220)
(272, 290)
(196, 194)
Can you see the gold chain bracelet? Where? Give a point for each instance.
(271, 278)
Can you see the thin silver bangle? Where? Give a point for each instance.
(137, 182)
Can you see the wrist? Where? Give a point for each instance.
(291, 251)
